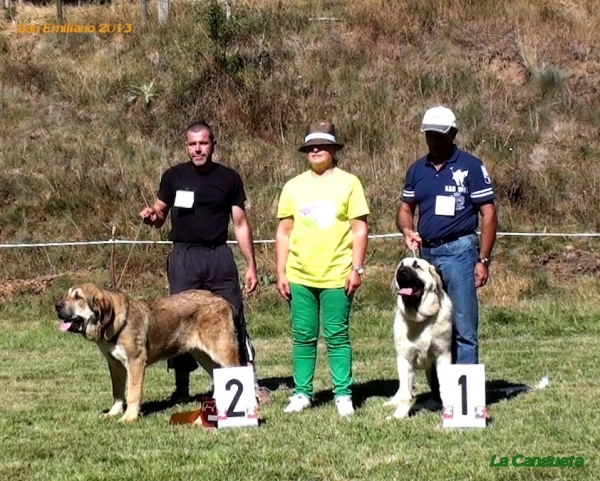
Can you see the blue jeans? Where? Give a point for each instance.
(455, 261)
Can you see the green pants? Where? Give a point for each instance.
(333, 305)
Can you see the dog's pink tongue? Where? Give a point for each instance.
(405, 291)
(64, 326)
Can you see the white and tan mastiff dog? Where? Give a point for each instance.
(422, 327)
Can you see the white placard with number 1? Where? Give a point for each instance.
(464, 403)
(235, 397)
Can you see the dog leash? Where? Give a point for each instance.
(137, 235)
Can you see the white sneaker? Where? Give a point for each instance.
(344, 406)
(298, 402)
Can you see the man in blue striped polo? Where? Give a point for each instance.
(451, 189)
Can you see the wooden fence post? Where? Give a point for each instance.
(143, 13)
(163, 11)
(59, 11)
(113, 275)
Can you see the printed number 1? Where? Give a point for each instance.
(231, 413)
(462, 382)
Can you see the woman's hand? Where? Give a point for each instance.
(283, 286)
(353, 282)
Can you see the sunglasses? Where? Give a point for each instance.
(316, 148)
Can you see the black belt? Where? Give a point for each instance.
(440, 241)
(191, 245)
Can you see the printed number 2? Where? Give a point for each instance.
(462, 382)
(231, 413)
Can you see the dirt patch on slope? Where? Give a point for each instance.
(16, 287)
(570, 263)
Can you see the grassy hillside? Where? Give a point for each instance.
(90, 121)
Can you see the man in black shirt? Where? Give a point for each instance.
(202, 196)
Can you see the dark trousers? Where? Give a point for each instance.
(190, 266)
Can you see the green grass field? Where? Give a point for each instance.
(56, 385)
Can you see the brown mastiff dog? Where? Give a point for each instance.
(133, 334)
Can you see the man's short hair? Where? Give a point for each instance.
(198, 126)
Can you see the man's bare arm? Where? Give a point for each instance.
(155, 215)
(243, 235)
(489, 226)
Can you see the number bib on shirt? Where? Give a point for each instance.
(445, 205)
(184, 199)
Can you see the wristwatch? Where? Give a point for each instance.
(359, 269)
(484, 260)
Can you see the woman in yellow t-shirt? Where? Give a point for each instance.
(320, 244)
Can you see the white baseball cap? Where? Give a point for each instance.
(438, 119)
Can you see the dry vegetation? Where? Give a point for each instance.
(89, 122)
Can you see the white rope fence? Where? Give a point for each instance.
(272, 241)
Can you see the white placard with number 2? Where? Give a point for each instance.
(464, 398)
(235, 397)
